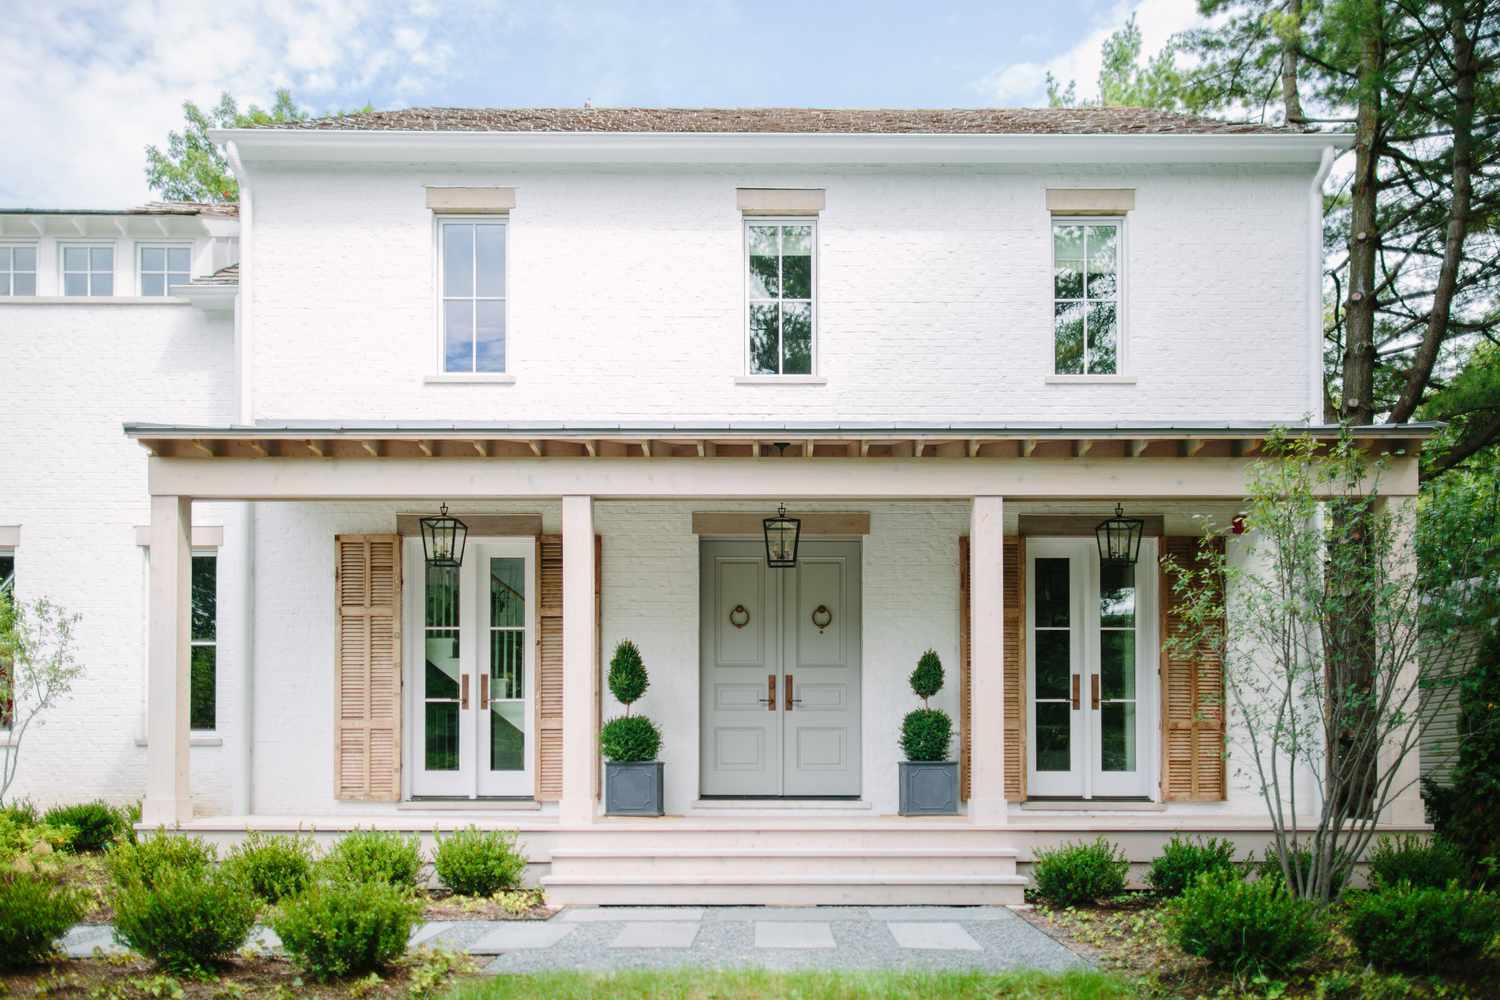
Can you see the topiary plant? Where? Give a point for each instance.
(627, 738)
(926, 732)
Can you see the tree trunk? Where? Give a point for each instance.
(1291, 100)
(1359, 314)
(1465, 73)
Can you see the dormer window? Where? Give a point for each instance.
(17, 270)
(164, 267)
(471, 269)
(88, 270)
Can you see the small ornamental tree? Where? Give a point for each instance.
(629, 738)
(926, 732)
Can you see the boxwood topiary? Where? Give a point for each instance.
(1183, 860)
(1079, 873)
(272, 867)
(926, 732)
(627, 674)
(374, 856)
(477, 862)
(187, 921)
(1421, 927)
(629, 739)
(1249, 928)
(34, 912)
(344, 929)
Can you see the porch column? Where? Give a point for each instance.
(1405, 807)
(168, 791)
(987, 660)
(580, 673)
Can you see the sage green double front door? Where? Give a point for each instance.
(780, 662)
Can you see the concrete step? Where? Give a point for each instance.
(803, 835)
(868, 862)
(785, 890)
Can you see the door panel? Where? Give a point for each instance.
(822, 629)
(1056, 663)
(740, 672)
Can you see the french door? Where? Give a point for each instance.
(1091, 645)
(471, 637)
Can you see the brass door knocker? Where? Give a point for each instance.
(822, 617)
(739, 617)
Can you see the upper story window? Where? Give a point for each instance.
(779, 307)
(471, 266)
(88, 270)
(164, 267)
(1086, 295)
(17, 270)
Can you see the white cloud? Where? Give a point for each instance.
(1023, 83)
(91, 83)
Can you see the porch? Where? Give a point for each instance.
(937, 532)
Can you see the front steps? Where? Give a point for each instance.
(819, 868)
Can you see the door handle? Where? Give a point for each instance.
(770, 699)
(790, 701)
(1076, 682)
(484, 691)
(1094, 691)
(463, 692)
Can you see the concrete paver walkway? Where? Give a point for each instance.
(815, 937)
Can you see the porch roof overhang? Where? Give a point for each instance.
(372, 459)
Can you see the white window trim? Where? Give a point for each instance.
(440, 372)
(1121, 374)
(62, 272)
(812, 377)
(140, 268)
(35, 272)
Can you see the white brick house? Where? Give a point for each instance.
(612, 342)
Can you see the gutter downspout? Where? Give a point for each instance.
(242, 795)
(1315, 284)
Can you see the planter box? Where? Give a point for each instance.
(633, 789)
(929, 788)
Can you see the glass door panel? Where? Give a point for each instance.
(504, 721)
(1118, 763)
(442, 764)
(1056, 658)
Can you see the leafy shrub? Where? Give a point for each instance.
(627, 673)
(1466, 813)
(1079, 873)
(1249, 928)
(479, 862)
(34, 912)
(343, 929)
(96, 825)
(30, 847)
(150, 860)
(22, 813)
(926, 734)
(272, 867)
(1183, 860)
(628, 738)
(374, 856)
(1421, 927)
(185, 921)
(1418, 861)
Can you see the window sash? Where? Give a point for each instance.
(170, 276)
(94, 271)
(1085, 300)
(204, 714)
(16, 279)
(780, 301)
(472, 299)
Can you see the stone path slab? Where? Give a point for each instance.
(520, 936)
(932, 936)
(656, 934)
(83, 940)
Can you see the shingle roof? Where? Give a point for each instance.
(223, 276)
(942, 121)
(229, 210)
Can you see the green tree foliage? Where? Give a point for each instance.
(927, 679)
(926, 732)
(192, 168)
(627, 674)
(1125, 81)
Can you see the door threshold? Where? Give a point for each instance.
(1092, 805)
(450, 804)
(712, 803)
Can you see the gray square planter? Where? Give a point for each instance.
(633, 789)
(929, 788)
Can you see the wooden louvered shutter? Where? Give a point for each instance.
(1192, 686)
(549, 665)
(1015, 672)
(367, 668)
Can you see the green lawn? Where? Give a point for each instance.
(693, 984)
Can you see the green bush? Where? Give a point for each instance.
(29, 847)
(150, 860)
(1466, 813)
(627, 673)
(185, 921)
(96, 825)
(272, 867)
(1419, 861)
(629, 738)
(374, 856)
(34, 912)
(343, 929)
(1077, 874)
(22, 813)
(1421, 927)
(926, 734)
(1249, 928)
(479, 862)
(1183, 860)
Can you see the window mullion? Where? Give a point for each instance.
(780, 299)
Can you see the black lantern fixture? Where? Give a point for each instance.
(1119, 539)
(781, 539)
(443, 539)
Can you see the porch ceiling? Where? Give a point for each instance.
(787, 441)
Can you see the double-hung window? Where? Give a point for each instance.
(17, 269)
(1086, 295)
(162, 268)
(88, 270)
(780, 305)
(204, 643)
(471, 270)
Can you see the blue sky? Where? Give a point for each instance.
(109, 76)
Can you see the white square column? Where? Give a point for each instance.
(168, 789)
(987, 661)
(1405, 807)
(580, 672)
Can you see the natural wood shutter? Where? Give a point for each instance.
(549, 665)
(1015, 672)
(367, 668)
(1192, 686)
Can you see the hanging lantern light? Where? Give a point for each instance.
(1119, 539)
(781, 539)
(443, 539)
